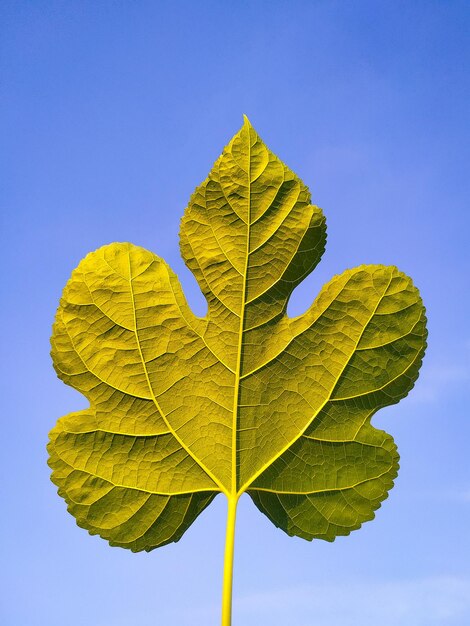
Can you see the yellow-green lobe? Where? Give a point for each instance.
(245, 399)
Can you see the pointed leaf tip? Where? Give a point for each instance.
(246, 121)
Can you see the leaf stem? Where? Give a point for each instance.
(228, 560)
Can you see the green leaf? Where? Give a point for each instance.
(245, 399)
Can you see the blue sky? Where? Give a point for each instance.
(111, 114)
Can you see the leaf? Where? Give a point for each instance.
(243, 400)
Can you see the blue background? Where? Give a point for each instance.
(111, 113)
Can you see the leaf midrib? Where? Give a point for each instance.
(236, 392)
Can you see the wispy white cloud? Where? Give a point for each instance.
(465, 496)
(437, 601)
(436, 381)
(434, 601)
(455, 495)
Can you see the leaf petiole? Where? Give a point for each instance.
(228, 560)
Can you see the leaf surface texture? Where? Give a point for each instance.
(243, 400)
